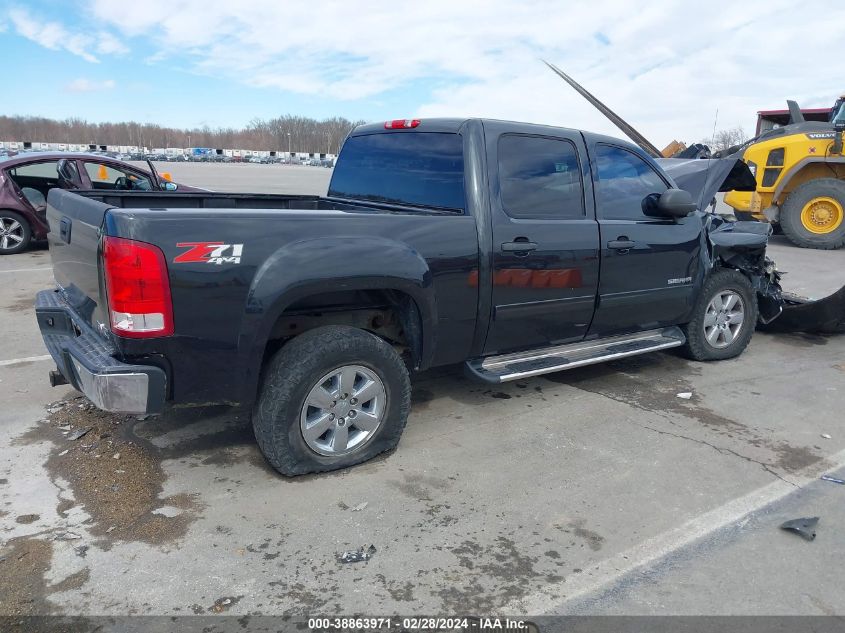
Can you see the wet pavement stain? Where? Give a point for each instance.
(27, 518)
(22, 583)
(400, 591)
(421, 398)
(664, 375)
(801, 339)
(493, 575)
(24, 591)
(577, 528)
(116, 476)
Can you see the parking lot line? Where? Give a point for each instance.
(27, 359)
(653, 549)
(27, 270)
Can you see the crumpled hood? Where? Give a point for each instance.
(705, 177)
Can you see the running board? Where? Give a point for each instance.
(534, 362)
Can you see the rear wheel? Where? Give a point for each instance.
(331, 398)
(15, 233)
(813, 215)
(724, 317)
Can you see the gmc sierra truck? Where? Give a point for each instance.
(515, 249)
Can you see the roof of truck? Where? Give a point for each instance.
(454, 125)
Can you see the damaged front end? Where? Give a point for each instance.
(738, 245)
(742, 246)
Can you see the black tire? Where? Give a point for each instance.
(698, 347)
(19, 229)
(790, 214)
(295, 369)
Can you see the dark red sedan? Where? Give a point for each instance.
(25, 180)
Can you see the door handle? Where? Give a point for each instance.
(621, 245)
(64, 229)
(519, 245)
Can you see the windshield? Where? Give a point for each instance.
(838, 115)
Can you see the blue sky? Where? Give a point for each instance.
(666, 67)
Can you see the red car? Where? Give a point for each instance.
(25, 180)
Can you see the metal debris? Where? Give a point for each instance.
(78, 433)
(357, 555)
(686, 395)
(805, 527)
(66, 536)
(359, 507)
(833, 479)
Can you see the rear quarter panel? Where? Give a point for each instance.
(224, 311)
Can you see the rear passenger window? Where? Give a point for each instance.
(540, 178)
(624, 180)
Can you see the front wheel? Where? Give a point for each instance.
(15, 233)
(332, 397)
(723, 319)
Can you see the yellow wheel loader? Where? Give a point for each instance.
(800, 174)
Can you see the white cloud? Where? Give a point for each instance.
(56, 36)
(88, 85)
(665, 67)
(108, 44)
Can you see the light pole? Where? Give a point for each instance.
(289, 156)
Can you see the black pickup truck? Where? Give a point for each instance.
(516, 249)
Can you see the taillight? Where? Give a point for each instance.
(138, 288)
(398, 124)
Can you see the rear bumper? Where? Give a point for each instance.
(87, 362)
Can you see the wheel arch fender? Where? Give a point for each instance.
(790, 177)
(325, 264)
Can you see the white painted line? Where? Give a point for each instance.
(28, 359)
(610, 570)
(27, 270)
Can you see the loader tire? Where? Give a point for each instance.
(332, 397)
(724, 317)
(813, 215)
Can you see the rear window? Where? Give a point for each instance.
(412, 168)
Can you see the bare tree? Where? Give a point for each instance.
(301, 134)
(724, 139)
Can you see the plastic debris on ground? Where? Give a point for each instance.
(805, 527)
(686, 395)
(833, 479)
(77, 434)
(359, 555)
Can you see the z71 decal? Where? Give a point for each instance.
(209, 253)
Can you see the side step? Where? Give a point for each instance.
(549, 359)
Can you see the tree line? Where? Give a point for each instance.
(283, 133)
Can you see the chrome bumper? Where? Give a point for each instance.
(87, 362)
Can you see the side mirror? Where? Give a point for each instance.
(169, 186)
(672, 203)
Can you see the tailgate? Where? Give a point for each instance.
(74, 239)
